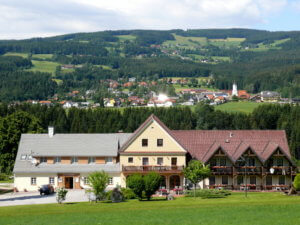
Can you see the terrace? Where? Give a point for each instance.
(148, 168)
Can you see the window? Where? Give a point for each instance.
(281, 180)
(33, 180)
(212, 180)
(108, 160)
(160, 142)
(251, 161)
(240, 180)
(110, 181)
(174, 161)
(74, 160)
(29, 157)
(130, 159)
(160, 161)
(51, 180)
(252, 180)
(279, 161)
(222, 161)
(225, 180)
(213, 162)
(144, 142)
(43, 160)
(145, 161)
(86, 180)
(91, 160)
(57, 160)
(23, 157)
(269, 180)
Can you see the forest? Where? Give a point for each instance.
(256, 59)
(28, 118)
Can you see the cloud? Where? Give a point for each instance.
(28, 18)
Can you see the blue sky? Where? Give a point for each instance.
(32, 18)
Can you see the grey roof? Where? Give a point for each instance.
(106, 145)
(27, 167)
(72, 144)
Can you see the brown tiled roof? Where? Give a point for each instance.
(202, 144)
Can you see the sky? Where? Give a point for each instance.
(21, 19)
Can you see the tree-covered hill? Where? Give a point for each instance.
(256, 59)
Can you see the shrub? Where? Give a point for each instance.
(61, 195)
(208, 193)
(136, 183)
(296, 182)
(98, 182)
(128, 193)
(116, 195)
(152, 182)
(4, 176)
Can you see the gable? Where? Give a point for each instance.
(153, 131)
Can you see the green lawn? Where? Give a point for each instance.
(258, 208)
(246, 107)
(44, 66)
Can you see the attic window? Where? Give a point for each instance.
(144, 142)
(23, 157)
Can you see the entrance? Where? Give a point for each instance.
(69, 182)
(174, 182)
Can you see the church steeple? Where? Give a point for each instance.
(234, 89)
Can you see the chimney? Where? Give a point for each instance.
(51, 131)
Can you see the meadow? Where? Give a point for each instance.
(257, 208)
(44, 66)
(245, 107)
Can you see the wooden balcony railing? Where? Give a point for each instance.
(248, 170)
(152, 168)
(280, 170)
(219, 170)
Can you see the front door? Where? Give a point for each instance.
(174, 182)
(69, 182)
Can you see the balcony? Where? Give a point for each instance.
(280, 170)
(248, 170)
(220, 170)
(145, 169)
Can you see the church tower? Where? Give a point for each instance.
(234, 90)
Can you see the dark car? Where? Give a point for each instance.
(46, 189)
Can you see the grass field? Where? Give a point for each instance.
(24, 55)
(245, 107)
(44, 66)
(258, 208)
(42, 56)
(126, 37)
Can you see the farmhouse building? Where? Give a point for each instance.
(239, 159)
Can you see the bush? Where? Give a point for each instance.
(296, 183)
(98, 182)
(152, 182)
(116, 195)
(4, 176)
(209, 193)
(128, 193)
(61, 195)
(136, 183)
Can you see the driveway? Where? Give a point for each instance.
(29, 198)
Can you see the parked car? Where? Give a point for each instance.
(46, 189)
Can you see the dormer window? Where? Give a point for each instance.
(57, 159)
(160, 142)
(23, 157)
(109, 160)
(43, 160)
(92, 160)
(144, 142)
(74, 160)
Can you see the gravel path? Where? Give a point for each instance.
(29, 198)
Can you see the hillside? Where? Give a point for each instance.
(257, 60)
